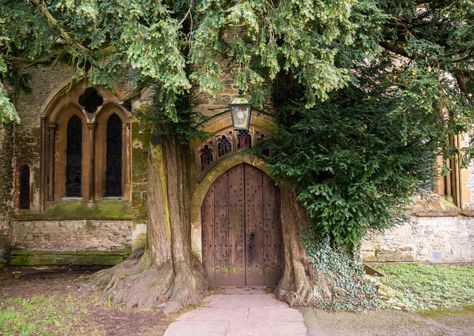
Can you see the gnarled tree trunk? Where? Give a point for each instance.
(300, 283)
(166, 274)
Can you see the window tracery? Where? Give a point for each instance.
(224, 146)
(113, 174)
(85, 147)
(24, 197)
(225, 142)
(74, 157)
(206, 157)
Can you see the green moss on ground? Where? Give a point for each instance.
(45, 315)
(430, 287)
(78, 209)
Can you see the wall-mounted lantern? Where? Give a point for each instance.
(240, 110)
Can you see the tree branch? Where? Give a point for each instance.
(53, 23)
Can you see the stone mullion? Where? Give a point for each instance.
(43, 163)
(90, 142)
(126, 161)
(50, 152)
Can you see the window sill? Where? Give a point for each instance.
(436, 206)
(78, 209)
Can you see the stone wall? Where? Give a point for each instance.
(426, 239)
(6, 185)
(45, 81)
(64, 236)
(77, 242)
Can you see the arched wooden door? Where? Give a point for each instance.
(241, 231)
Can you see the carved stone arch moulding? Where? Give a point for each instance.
(226, 142)
(93, 106)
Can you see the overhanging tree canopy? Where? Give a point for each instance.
(369, 80)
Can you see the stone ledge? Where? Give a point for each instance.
(25, 257)
(81, 210)
(435, 206)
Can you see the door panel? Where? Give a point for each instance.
(254, 226)
(207, 217)
(241, 231)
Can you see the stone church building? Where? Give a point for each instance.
(73, 187)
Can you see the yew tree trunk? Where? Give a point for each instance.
(300, 284)
(167, 274)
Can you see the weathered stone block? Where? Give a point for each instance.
(60, 258)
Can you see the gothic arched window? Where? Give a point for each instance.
(206, 157)
(74, 157)
(224, 146)
(113, 173)
(244, 139)
(24, 199)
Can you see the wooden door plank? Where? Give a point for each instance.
(273, 236)
(221, 227)
(207, 224)
(236, 238)
(254, 226)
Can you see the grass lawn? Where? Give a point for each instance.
(41, 315)
(429, 287)
(62, 304)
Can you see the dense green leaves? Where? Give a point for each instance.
(148, 41)
(357, 159)
(378, 86)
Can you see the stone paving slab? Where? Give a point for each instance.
(265, 328)
(197, 328)
(213, 314)
(240, 312)
(282, 314)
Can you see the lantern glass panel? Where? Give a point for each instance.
(240, 116)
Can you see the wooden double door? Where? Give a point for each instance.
(241, 231)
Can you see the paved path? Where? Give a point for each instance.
(240, 312)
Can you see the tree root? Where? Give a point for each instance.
(140, 283)
(299, 287)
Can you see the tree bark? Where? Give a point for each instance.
(166, 275)
(301, 284)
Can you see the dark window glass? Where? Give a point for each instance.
(24, 187)
(113, 173)
(244, 139)
(224, 146)
(91, 100)
(74, 157)
(206, 157)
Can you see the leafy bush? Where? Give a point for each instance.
(352, 168)
(356, 160)
(350, 289)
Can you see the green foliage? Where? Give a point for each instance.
(151, 41)
(357, 158)
(40, 315)
(428, 287)
(351, 290)
(354, 167)
(182, 128)
(378, 86)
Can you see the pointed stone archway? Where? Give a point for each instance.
(241, 230)
(243, 253)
